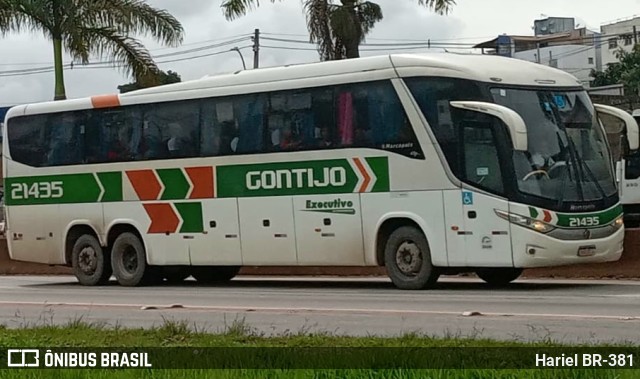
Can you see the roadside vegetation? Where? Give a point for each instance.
(78, 334)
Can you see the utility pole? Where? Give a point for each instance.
(256, 48)
(635, 35)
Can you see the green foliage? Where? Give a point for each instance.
(626, 71)
(88, 28)
(154, 79)
(337, 27)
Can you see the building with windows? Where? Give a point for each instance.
(556, 43)
(620, 34)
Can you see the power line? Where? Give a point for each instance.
(227, 41)
(107, 65)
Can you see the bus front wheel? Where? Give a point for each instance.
(214, 274)
(408, 259)
(499, 277)
(89, 262)
(128, 259)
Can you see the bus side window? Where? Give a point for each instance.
(249, 112)
(171, 130)
(28, 140)
(210, 129)
(64, 139)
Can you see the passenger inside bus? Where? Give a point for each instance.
(325, 141)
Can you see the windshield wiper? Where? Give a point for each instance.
(588, 171)
(563, 186)
(573, 153)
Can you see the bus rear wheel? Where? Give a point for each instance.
(128, 259)
(89, 262)
(499, 277)
(408, 259)
(214, 274)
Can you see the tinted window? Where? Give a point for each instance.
(481, 162)
(433, 96)
(371, 115)
(169, 130)
(301, 120)
(28, 136)
(65, 145)
(367, 115)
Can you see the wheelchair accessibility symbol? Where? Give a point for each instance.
(467, 198)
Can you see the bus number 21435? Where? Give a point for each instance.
(39, 190)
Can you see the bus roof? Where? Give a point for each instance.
(484, 68)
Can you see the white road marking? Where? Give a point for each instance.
(319, 310)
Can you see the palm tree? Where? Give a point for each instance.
(86, 28)
(337, 29)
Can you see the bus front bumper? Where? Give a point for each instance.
(540, 250)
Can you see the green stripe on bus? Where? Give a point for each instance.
(176, 186)
(112, 184)
(191, 214)
(300, 178)
(52, 189)
(581, 220)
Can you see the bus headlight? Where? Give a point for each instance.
(618, 223)
(527, 222)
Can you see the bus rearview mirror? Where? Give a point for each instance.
(515, 123)
(631, 126)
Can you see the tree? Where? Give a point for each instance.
(86, 28)
(626, 71)
(159, 79)
(337, 29)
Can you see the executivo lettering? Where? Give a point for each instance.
(336, 206)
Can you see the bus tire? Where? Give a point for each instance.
(408, 259)
(175, 275)
(89, 262)
(214, 274)
(499, 277)
(129, 261)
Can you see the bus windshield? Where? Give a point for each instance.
(567, 156)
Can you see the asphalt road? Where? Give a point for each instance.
(567, 311)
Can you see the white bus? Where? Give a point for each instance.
(627, 169)
(426, 164)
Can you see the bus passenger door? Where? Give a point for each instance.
(268, 231)
(487, 236)
(329, 230)
(454, 227)
(219, 241)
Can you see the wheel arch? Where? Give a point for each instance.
(75, 230)
(120, 226)
(391, 221)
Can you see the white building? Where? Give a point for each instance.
(577, 51)
(619, 34)
(577, 60)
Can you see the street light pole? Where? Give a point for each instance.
(241, 56)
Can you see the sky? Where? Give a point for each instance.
(404, 21)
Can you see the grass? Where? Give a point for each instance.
(79, 334)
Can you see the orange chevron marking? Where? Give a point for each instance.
(363, 171)
(203, 182)
(163, 218)
(145, 184)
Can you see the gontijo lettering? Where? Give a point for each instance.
(297, 178)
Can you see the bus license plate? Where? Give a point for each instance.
(587, 251)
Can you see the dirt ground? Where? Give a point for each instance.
(627, 268)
